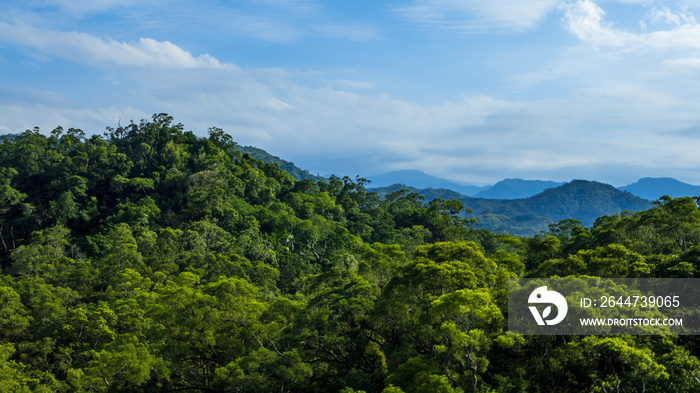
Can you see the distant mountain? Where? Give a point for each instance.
(584, 200)
(516, 189)
(419, 180)
(654, 188)
(8, 136)
(296, 172)
(580, 199)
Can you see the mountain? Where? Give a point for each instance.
(516, 189)
(654, 188)
(419, 180)
(8, 136)
(296, 172)
(584, 200)
(580, 199)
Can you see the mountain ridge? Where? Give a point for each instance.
(653, 188)
(420, 179)
(582, 200)
(649, 188)
(516, 189)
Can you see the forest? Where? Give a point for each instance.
(148, 259)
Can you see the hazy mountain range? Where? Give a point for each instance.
(418, 179)
(647, 188)
(526, 207)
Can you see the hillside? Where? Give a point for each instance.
(584, 200)
(580, 199)
(289, 167)
(654, 188)
(516, 189)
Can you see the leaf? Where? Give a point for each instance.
(546, 312)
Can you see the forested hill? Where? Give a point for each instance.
(580, 199)
(585, 201)
(153, 260)
(296, 172)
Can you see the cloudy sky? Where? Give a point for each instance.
(469, 90)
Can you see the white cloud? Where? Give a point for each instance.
(279, 105)
(675, 18)
(88, 49)
(586, 20)
(478, 15)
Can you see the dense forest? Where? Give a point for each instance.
(149, 259)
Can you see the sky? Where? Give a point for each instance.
(468, 90)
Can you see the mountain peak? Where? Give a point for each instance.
(516, 189)
(653, 188)
(419, 179)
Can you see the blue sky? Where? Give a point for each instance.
(472, 91)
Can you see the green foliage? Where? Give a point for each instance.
(150, 259)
